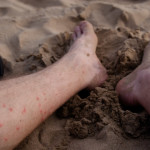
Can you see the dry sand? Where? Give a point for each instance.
(36, 33)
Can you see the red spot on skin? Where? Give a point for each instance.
(39, 105)
(3, 105)
(42, 119)
(41, 111)
(45, 113)
(1, 125)
(10, 109)
(45, 99)
(17, 128)
(44, 93)
(5, 139)
(24, 110)
(37, 98)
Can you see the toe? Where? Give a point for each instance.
(78, 31)
(74, 37)
(86, 27)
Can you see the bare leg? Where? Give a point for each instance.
(135, 88)
(25, 102)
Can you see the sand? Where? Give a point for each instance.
(36, 33)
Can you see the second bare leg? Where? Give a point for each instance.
(135, 88)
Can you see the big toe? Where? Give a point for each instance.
(86, 27)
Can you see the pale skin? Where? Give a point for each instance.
(26, 101)
(134, 89)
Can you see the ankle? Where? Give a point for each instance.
(88, 68)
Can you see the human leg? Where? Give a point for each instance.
(26, 101)
(134, 89)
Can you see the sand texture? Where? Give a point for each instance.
(36, 33)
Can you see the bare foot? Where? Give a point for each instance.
(85, 42)
(134, 89)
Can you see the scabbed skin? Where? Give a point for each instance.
(1, 68)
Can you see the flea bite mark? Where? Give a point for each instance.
(37, 98)
(10, 109)
(42, 119)
(1, 125)
(24, 111)
(5, 139)
(18, 128)
(41, 111)
(4, 106)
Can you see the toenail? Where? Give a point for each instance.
(83, 23)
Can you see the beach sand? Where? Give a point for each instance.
(36, 33)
